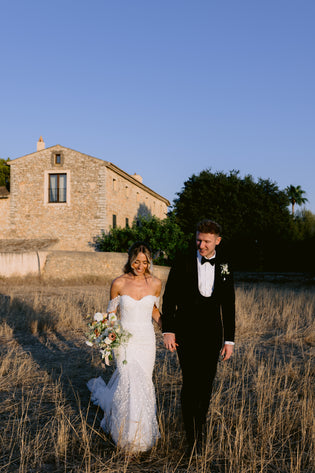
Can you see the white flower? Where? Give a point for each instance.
(224, 269)
(107, 334)
(98, 317)
(112, 317)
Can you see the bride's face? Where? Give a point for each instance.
(140, 265)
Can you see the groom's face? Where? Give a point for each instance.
(206, 243)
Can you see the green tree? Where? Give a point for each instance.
(305, 224)
(295, 195)
(5, 173)
(163, 236)
(254, 214)
(241, 205)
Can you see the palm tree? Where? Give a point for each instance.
(295, 195)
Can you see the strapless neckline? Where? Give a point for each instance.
(138, 300)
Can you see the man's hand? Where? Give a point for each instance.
(169, 341)
(227, 351)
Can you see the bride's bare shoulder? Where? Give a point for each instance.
(118, 283)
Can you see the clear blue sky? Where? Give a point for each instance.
(164, 88)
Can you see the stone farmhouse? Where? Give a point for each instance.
(68, 197)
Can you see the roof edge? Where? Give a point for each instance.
(56, 146)
(124, 174)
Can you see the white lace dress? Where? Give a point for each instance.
(128, 400)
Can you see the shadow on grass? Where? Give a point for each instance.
(35, 332)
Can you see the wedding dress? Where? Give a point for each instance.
(128, 400)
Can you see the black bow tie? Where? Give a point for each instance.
(205, 260)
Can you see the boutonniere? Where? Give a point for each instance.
(224, 270)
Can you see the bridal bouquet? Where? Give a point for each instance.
(106, 333)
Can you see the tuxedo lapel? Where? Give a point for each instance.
(217, 277)
(194, 273)
(217, 272)
(189, 279)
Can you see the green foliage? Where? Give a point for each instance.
(295, 196)
(243, 207)
(5, 173)
(164, 237)
(304, 225)
(256, 222)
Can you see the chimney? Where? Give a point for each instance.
(136, 176)
(40, 144)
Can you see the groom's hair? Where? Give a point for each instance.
(208, 226)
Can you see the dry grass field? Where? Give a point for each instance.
(261, 418)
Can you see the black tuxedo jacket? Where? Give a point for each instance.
(181, 300)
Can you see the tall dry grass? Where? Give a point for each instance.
(261, 415)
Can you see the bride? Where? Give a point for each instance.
(128, 400)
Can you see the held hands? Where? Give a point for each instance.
(227, 351)
(169, 341)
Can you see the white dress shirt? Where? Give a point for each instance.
(205, 276)
(206, 279)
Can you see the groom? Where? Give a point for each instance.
(199, 322)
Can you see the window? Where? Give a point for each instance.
(127, 222)
(115, 184)
(114, 221)
(57, 192)
(57, 158)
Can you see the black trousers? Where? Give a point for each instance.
(198, 355)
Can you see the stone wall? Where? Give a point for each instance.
(80, 264)
(126, 200)
(19, 264)
(4, 215)
(72, 265)
(96, 190)
(31, 213)
(68, 265)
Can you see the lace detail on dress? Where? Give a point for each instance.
(132, 423)
(113, 304)
(128, 400)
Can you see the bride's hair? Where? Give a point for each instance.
(134, 250)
